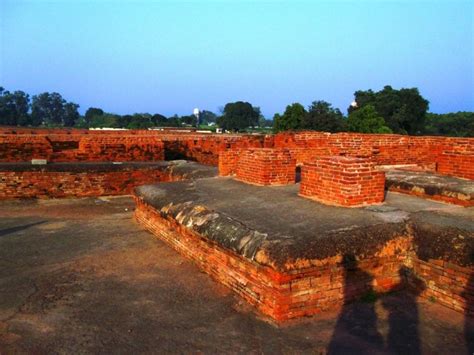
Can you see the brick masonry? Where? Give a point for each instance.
(266, 166)
(281, 296)
(342, 181)
(327, 284)
(452, 156)
(57, 184)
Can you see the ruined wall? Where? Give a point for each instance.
(77, 183)
(78, 145)
(74, 147)
(453, 156)
(266, 166)
(343, 181)
(282, 296)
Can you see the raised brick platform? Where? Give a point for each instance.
(432, 186)
(342, 181)
(266, 166)
(292, 257)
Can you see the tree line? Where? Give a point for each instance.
(389, 110)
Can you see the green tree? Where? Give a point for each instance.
(239, 116)
(404, 110)
(459, 124)
(190, 120)
(105, 120)
(174, 121)
(48, 108)
(207, 117)
(14, 107)
(158, 120)
(292, 118)
(71, 115)
(91, 112)
(367, 120)
(323, 117)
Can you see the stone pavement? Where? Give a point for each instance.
(79, 275)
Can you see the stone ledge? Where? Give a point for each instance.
(428, 185)
(301, 266)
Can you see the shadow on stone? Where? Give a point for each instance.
(356, 328)
(7, 231)
(469, 315)
(403, 319)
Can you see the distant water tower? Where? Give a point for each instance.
(196, 114)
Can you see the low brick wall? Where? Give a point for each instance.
(33, 184)
(90, 179)
(342, 181)
(446, 283)
(266, 166)
(282, 296)
(454, 156)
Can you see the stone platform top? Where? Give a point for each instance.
(274, 226)
(180, 167)
(430, 183)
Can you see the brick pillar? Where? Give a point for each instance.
(342, 181)
(228, 159)
(266, 166)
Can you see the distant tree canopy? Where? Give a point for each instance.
(238, 116)
(323, 117)
(367, 120)
(14, 107)
(52, 109)
(403, 110)
(460, 124)
(91, 112)
(292, 118)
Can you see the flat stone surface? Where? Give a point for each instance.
(182, 167)
(79, 276)
(248, 219)
(430, 184)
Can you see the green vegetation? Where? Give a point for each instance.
(367, 120)
(459, 124)
(403, 110)
(239, 116)
(389, 110)
(323, 117)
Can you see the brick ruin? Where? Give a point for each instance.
(344, 169)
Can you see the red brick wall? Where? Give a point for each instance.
(53, 184)
(343, 181)
(446, 283)
(454, 156)
(457, 158)
(266, 166)
(228, 161)
(279, 295)
(68, 148)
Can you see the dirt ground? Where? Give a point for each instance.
(80, 276)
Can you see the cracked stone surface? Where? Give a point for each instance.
(292, 229)
(79, 276)
(430, 184)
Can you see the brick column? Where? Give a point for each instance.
(342, 181)
(228, 159)
(266, 166)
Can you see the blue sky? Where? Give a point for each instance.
(172, 56)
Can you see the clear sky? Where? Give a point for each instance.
(169, 57)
